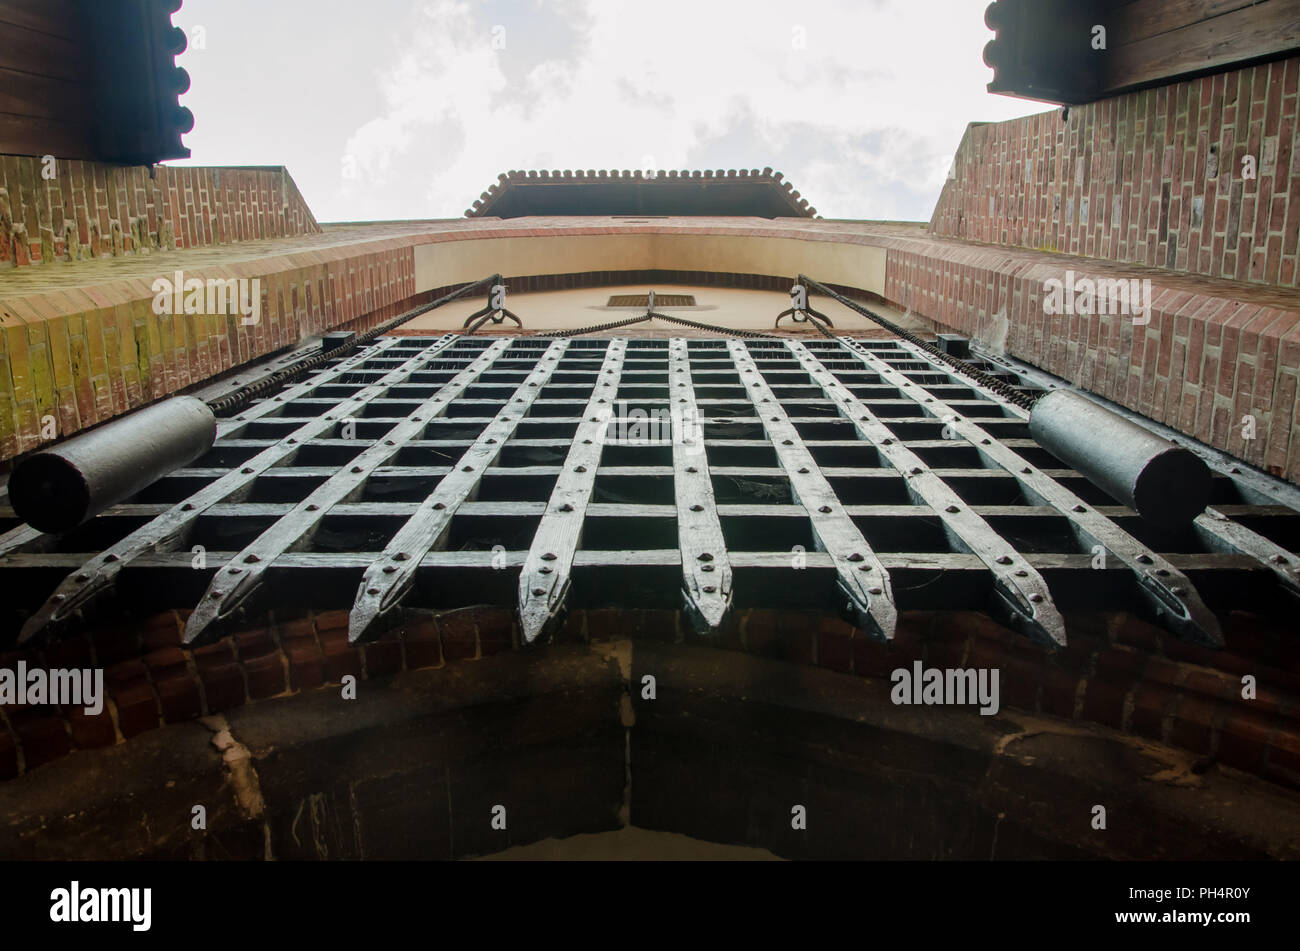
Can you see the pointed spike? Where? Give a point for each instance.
(539, 614)
(392, 576)
(66, 605)
(707, 610)
(227, 595)
(1039, 620)
(379, 596)
(873, 613)
(1181, 611)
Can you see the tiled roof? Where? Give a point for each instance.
(722, 192)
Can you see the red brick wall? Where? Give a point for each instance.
(91, 210)
(1131, 178)
(1117, 671)
(1202, 363)
(87, 355)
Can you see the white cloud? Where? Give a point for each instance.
(864, 118)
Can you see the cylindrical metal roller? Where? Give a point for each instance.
(1164, 483)
(65, 485)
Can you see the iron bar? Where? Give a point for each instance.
(78, 592)
(545, 578)
(1168, 593)
(389, 579)
(233, 590)
(706, 568)
(863, 578)
(1022, 600)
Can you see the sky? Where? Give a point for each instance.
(409, 109)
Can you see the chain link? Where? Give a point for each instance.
(1008, 392)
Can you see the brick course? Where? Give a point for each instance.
(1155, 690)
(1153, 178)
(90, 210)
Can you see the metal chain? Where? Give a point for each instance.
(578, 331)
(714, 328)
(233, 402)
(1008, 392)
(614, 325)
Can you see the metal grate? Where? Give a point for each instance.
(642, 301)
(434, 473)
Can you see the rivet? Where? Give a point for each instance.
(1020, 573)
(401, 556)
(705, 556)
(1036, 597)
(825, 510)
(439, 506)
(357, 469)
(188, 507)
(1145, 559)
(1278, 560)
(546, 569)
(373, 590)
(709, 589)
(697, 508)
(549, 556)
(953, 509)
(466, 468)
(538, 592)
(566, 507)
(579, 468)
(111, 556)
(875, 590)
(1004, 559)
(856, 556)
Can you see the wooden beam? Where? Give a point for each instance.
(1022, 598)
(1252, 32)
(546, 574)
(706, 569)
(389, 579)
(75, 597)
(1168, 592)
(863, 578)
(232, 590)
